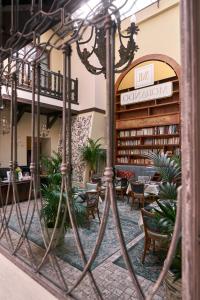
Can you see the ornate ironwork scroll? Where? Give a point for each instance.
(105, 22)
(98, 40)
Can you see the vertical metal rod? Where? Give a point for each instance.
(32, 7)
(69, 119)
(40, 4)
(190, 146)
(110, 40)
(15, 120)
(112, 90)
(16, 14)
(1, 30)
(38, 128)
(1, 67)
(108, 97)
(11, 124)
(64, 108)
(32, 166)
(12, 18)
(68, 171)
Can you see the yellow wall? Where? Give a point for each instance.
(24, 130)
(161, 71)
(98, 129)
(55, 55)
(161, 34)
(159, 29)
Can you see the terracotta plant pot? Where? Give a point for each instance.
(58, 236)
(172, 288)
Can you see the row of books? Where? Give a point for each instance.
(169, 141)
(138, 161)
(164, 141)
(138, 151)
(123, 160)
(129, 143)
(168, 129)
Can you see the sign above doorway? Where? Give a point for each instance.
(157, 91)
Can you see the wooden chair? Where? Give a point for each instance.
(137, 192)
(156, 177)
(121, 187)
(92, 207)
(151, 233)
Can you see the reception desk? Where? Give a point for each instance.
(22, 188)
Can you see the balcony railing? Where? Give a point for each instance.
(51, 83)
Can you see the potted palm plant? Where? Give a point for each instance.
(169, 169)
(91, 154)
(51, 195)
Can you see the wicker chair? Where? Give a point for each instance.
(137, 193)
(151, 233)
(92, 200)
(121, 187)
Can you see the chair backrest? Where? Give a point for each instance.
(91, 186)
(137, 188)
(124, 182)
(156, 177)
(92, 199)
(144, 178)
(96, 180)
(147, 217)
(150, 225)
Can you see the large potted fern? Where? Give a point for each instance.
(51, 215)
(91, 153)
(169, 169)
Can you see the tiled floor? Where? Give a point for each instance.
(113, 281)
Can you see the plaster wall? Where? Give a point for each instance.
(160, 33)
(86, 82)
(98, 128)
(159, 30)
(24, 130)
(55, 55)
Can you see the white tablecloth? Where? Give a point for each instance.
(150, 188)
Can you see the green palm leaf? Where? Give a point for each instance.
(92, 152)
(169, 168)
(168, 191)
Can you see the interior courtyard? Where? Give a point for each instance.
(99, 146)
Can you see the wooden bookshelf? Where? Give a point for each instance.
(147, 126)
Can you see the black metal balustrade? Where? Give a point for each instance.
(51, 83)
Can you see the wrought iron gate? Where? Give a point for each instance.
(104, 21)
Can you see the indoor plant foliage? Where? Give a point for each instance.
(169, 169)
(91, 154)
(170, 172)
(51, 197)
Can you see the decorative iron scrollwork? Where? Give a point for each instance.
(126, 52)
